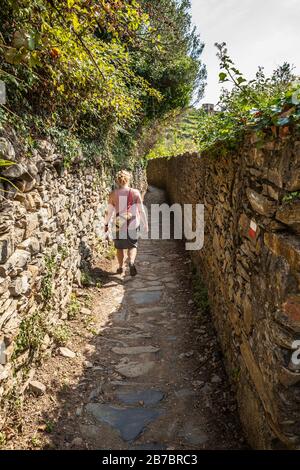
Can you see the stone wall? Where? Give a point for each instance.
(250, 264)
(49, 223)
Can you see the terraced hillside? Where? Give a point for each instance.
(179, 136)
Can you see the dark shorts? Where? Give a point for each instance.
(126, 243)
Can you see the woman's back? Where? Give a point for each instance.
(126, 205)
(124, 198)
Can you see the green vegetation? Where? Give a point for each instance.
(4, 163)
(235, 374)
(106, 250)
(110, 252)
(200, 293)
(2, 439)
(47, 281)
(179, 136)
(263, 105)
(173, 68)
(35, 441)
(31, 334)
(63, 252)
(49, 426)
(86, 279)
(267, 106)
(73, 307)
(291, 196)
(61, 334)
(93, 74)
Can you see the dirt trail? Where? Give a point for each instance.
(148, 372)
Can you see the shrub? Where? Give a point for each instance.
(262, 105)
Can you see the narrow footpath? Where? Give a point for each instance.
(147, 371)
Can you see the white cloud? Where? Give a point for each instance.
(257, 32)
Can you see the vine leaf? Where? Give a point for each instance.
(223, 77)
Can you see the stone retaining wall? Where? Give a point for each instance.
(49, 221)
(251, 266)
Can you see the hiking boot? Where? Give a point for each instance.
(132, 270)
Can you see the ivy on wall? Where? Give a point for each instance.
(96, 70)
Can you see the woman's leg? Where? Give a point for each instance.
(132, 252)
(120, 256)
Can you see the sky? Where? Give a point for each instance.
(257, 32)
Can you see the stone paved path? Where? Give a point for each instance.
(147, 373)
(164, 395)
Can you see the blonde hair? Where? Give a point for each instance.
(123, 177)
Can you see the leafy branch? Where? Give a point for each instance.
(235, 76)
(264, 104)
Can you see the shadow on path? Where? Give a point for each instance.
(148, 372)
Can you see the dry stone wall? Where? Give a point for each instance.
(49, 224)
(250, 263)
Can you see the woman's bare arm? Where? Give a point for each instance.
(110, 210)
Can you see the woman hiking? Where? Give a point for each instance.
(125, 203)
